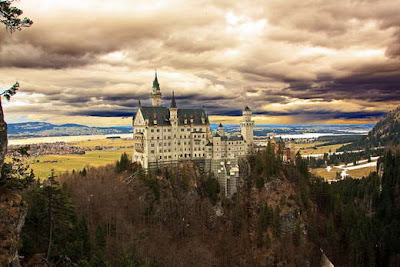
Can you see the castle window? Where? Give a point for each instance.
(152, 130)
(152, 152)
(158, 130)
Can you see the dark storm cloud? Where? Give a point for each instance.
(103, 113)
(318, 113)
(328, 59)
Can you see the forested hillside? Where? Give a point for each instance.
(385, 132)
(172, 217)
(282, 216)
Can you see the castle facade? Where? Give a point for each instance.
(169, 135)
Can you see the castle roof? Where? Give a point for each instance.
(161, 114)
(216, 134)
(232, 138)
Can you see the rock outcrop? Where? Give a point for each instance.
(3, 138)
(12, 209)
(12, 217)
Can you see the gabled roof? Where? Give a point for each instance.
(232, 138)
(191, 113)
(216, 134)
(161, 114)
(235, 138)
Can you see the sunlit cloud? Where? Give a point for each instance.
(293, 62)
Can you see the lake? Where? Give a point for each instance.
(53, 139)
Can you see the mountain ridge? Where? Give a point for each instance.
(43, 129)
(386, 132)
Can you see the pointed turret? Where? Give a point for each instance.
(139, 104)
(173, 111)
(173, 102)
(156, 93)
(156, 85)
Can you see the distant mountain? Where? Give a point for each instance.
(43, 129)
(386, 132)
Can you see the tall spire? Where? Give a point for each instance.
(156, 85)
(173, 102)
(139, 104)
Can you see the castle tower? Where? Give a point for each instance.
(221, 129)
(156, 93)
(246, 126)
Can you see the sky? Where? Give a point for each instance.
(292, 62)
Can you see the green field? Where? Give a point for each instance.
(74, 162)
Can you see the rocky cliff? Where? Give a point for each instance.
(12, 209)
(12, 217)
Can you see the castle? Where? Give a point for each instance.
(165, 136)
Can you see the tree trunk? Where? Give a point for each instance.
(50, 213)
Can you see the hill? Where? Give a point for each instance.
(385, 132)
(43, 129)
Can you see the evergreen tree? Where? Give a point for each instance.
(51, 226)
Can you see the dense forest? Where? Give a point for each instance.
(344, 158)
(119, 215)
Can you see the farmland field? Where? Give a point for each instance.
(43, 165)
(357, 173)
(311, 149)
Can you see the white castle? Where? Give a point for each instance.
(165, 136)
